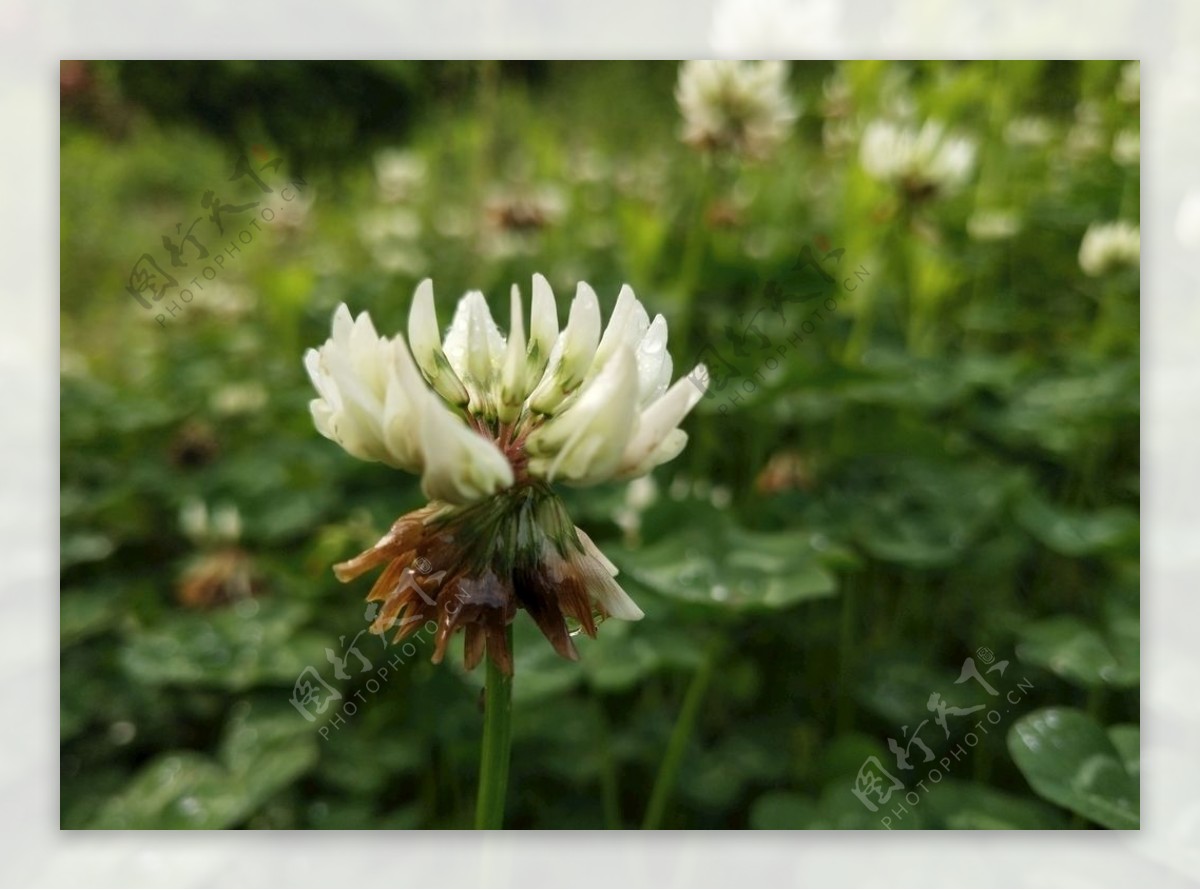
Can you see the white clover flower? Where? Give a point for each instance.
(922, 161)
(573, 406)
(489, 422)
(735, 106)
(1106, 246)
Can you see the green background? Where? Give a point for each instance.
(946, 463)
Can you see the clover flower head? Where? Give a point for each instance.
(738, 106)
(922, 160)
(489, 422)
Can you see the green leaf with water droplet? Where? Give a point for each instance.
(1107, 654)
(264, 749)
(178, 790)
(235, 647)
(721, 566)
(1069, 760)
(1072, 649)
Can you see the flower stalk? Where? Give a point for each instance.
(497, 744)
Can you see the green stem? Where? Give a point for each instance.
(668, 770)
(610, 793)
(497, 742)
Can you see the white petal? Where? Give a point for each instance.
(426, 341)
(586, 441)
(654, 362)
(543, 327)
(320, 378)
(626, 326)
(322, 416)
(400, 424)
(364, 354)
(663, 415)
(668, 450)
(590, 548)
(572, 354)
(612, 597)
(598, 573)
(513, 382)
(342, 325)
(460, 465)
(475, 348)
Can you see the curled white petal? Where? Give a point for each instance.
(599, 572)
(661, 417)
(668, 449)
(425, 339)
(460, 465)
(514, 376)
(543, 327)
(626, 327)
(572, 353)
(475, 349)
(654, 362)
(586, 441)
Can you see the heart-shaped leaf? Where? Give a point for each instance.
(1069, 760)
(721, 566)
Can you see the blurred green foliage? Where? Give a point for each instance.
(947, 463)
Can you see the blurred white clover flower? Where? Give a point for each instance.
(489, 422)
(738, 106)
(238, 398)
(398, 174)
(1106, 246)
(922, 160)
(993, 225)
